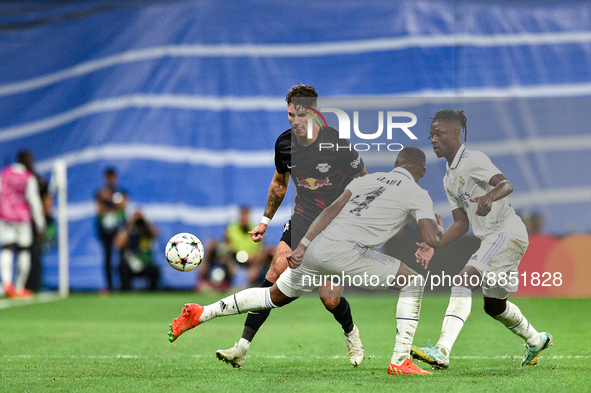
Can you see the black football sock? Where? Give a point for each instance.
(255, 319)
(342, 313)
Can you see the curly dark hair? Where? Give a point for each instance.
(450, 115)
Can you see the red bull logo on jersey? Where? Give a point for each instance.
(313, 184)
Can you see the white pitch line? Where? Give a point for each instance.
(44, 297)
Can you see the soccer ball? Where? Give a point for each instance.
(184, 252)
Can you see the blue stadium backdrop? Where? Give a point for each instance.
(186, 99)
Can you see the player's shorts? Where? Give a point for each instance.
(341, 263)
(19, 233)
(497, 261)
(295, 230)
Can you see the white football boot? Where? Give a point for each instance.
(355, 346)
(236, 356)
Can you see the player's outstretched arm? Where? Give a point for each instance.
(277, 192)
(432, 232)
(455, 230)
(502, 188)
(460, 226)
(295, 259)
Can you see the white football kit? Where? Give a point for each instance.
(380, 205)
(502, 233)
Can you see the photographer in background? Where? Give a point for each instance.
(45, 243)
(111, 202)
(217, 268)
(135, 243)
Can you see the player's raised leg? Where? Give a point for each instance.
(498, 307)
(247, 300)
(331, 297)
(236, 356)
(510, 315)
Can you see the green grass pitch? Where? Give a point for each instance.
(119, 344)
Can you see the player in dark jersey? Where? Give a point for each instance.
(320, 177)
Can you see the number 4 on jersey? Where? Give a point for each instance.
(363, 201)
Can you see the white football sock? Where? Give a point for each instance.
(247, 300)
(458, 310)
(244, 343)
(514, 320)
(6, 265)
(24, 267)
(408, 311)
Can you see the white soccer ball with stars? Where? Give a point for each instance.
(184, 252)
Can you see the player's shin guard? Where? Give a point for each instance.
(408, 311)
(247, 300)
(255, 319)
(458, 310)
(342, 313)
(514, 320)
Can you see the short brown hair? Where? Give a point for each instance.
(308, 92)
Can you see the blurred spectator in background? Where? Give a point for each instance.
(19, 203)
(217, 268)
(111, 202)
(135, 242)
(540, 245)
(248, 253)
(236, 261)
(50, 238)
(533, 222)
(42, 244)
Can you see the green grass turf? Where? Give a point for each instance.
(119, 344)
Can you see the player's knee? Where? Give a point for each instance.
(278, 298)
(330, 302)
(417, 279)
(407, 276)
(278, 266)
(490, 310)
(494, 307)
(275, 271)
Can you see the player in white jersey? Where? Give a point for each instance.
(477, 192)
(340, 243)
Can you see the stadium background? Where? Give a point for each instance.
(186, 99)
